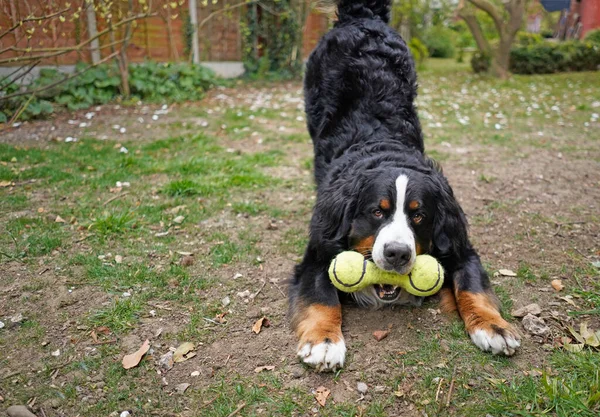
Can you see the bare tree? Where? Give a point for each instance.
(507, 18)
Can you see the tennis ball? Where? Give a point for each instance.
(350, 272)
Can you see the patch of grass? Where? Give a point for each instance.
(588, 288)
(181, 188)
(224, 253)
(251, 208)
(113, 223)
(121, 315)
(525, 273)
(572, 388)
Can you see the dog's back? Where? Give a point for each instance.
(360, 85)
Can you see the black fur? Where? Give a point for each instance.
(360, 88)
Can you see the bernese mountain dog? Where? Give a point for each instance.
(377, 192)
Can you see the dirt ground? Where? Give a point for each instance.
(532, 201)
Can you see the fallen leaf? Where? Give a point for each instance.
(576, 334)
(321, 395)
(118, 259)
(182, 351)
(94, 336)
(133, 359)
(259, 324)
(178, 219)
(5, 184)
(569, 299)
(263, 368)
(573, 348)
(507, 273)
(379, 335)
(557, 284)
(59, 220)
(103, 329)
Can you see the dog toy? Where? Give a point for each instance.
(350, 272)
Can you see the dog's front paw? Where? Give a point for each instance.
(498, 338)
(324, 356)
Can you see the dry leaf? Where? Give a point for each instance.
(118, 259)
(5, 184)
(557, 284)
(263, 368)
(321, 395)
(182, 351)
(59, 220)
(574, 348)
(259, 324)
(569, 299)
(507, 273)
(379, 335)
(132, 360)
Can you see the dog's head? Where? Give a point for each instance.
(391, 215)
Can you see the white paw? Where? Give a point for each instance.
(496, 343)
(324, 356)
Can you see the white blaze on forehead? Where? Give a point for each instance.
(398, 230)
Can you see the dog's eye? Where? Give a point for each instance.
(417, 218)
(378, 213)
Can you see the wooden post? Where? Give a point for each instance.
(194, 22)
(93, 31)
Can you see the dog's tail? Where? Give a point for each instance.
(356, 9)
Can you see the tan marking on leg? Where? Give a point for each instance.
(480, 311)
(447, 301)
(318, 323)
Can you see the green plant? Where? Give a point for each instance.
(546, 58)
(527, 39)
(418, 50)
(593, 36)
(480, 62)
(439, 42)
(270, 41)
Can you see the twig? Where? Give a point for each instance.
(437, 393)
(259, 290)
(43, 412)
(451, 387)
(84, 238)
(21, 110)
(227, 360)
(280, 290)
(210, 402)
(212, 321)
(31, 19)
(113, 198)
(237, 410)
(11, 374)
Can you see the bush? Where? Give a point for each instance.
(593, 36)
(480, 62)
(439, 42)
(149, 81)
(418, 50)
(546, 58)
(526, 39)
(547, 33)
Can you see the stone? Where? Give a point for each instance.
(165, 363)
(535, 325)
(180, 388)
(533, 308)
(19, 411)
(297, 371)
(362, 388)
(226, 301)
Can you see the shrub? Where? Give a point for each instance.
(546, 58)
(149, 81)
(480, 62)
(526, 39)
(547, 33)
(593, 36)
(439, 42)
(418, 50)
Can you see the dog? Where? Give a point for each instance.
(377, 191)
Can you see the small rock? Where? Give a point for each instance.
(17, 319)
(534, 309)
(125, 414)
(297, 371)
(362, 388)
(1, 324)
(180, 388)
(380, 388)
(379, 335)
(178, 219)
(195, 373)
(187, 261)
(165, 362)
(225, 301)
(535, 325)
(244, 294)
(118, 259)
(238, 275)
(19, 411)
(56, 353)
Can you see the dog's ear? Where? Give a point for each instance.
(333, 215)
(450, 238)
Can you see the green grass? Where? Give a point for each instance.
(121, 315)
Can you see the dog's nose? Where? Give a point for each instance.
(397, 254)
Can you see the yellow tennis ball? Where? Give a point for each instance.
(350, 272)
